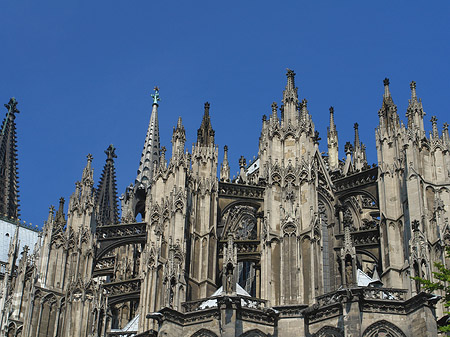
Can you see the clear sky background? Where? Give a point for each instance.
(83, 71)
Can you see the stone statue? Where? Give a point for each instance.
(348, 272)
(229, 285)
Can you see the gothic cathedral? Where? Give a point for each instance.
(300, 243)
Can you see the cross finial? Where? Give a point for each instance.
(155, 96)
(386, 82)
(111, 152)
(445, 126)
(274, 108)
(12, 106)
(89, 157)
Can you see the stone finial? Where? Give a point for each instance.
(435, 132)
(412, 85)
(274, 108)
(12, 106)
(242, 162)
(386, 87)
(348, 148)
(415, 225)
(290, 73)
(264, 118)
(207, 105)
(445, 126)
(155, 96)
(316, 137)
(357, 141)
(111, 152)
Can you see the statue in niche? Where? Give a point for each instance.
(171, 292)
(348, 272)
(229, 280)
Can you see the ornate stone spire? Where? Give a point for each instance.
(445, 136)
(415, 112)
(9, 200)
(151, 152)
(389, 119)
(178, 139)
(359, 155)
(290, 98)
(357, 143)
(333, 146)
(106, 198)
(435, 131)
(60, 217)
(225, 167)
(205, 135)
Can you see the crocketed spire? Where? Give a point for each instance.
(205, 135)
(151, 152)
(290, 98)
(389, 119)
(9, 199)
(106, 198)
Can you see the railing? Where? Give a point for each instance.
(384, 294)
(122, 287)
(367, 293)
(247, 302)
(121, 333)
(121, 230)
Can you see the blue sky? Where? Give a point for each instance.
(83, 71)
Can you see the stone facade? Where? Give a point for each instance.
(299, 244)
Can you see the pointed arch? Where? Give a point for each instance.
(204, 333)
(329, 331)
(383, 327)
(254, 333)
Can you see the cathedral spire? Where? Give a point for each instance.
(205, 135)
(151, 152)
(106, 198)
(9, 202)
(225, 167)
(290, 98)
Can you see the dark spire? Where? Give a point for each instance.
(60, 217)
(205, 135)
(357, 142)
(9, 201)
(106, 198)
